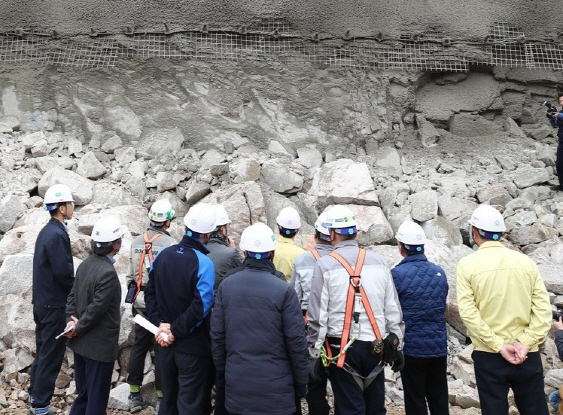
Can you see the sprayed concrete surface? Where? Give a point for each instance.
(468, 19)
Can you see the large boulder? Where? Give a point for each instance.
(156, 142)
(10, 209)
(373, 227)
(443, 231)
(90, 167)
(343, 181)
(469, 125)
(134, 217)
(81, 188)
(424, 205)
(281, 177)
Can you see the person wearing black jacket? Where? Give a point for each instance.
(259, 344)
(556, 121)
(53, 276)
(179, 296)
(93, 314)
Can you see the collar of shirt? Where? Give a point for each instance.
(491, 244)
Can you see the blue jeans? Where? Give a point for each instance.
(554, 398)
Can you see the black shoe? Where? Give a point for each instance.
(557, 188)
(136, 403)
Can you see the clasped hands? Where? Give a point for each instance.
(164, 328)
(515, 353)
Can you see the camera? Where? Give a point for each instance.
(550, 108)
(556, 314)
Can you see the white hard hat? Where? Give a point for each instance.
(339, 217)
(319, 224)
(221, 215)
(258, 238)
(201, 218)
(411, 233)
(289, 218)
(161, 211)
(487, 218)
(107, 229)
(58, 193)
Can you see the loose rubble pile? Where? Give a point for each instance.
(433, 175)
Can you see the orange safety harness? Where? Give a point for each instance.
(354, 291)
(148, 257)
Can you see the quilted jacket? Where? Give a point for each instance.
(422, 287)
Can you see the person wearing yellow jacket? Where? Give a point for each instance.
(289, 222)
(503, 302)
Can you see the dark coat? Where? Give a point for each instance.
(259, 341)
(53, 272)
(95, 300)
(224, 258)
(422, 287)
(180, 292)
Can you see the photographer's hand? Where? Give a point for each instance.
(558, 324)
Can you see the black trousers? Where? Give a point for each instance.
(49, 322)
(559, 163)
(495, 376)
(187, 381)
(425, 381)
(144, 341)
(349, 399)
(316, 397)
(93, 382)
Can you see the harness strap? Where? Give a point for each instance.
(316, 254)
(147, 251)
(354, 287)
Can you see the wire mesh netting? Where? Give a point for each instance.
(274, 40)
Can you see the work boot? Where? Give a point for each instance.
(41, 411)
(136, 403)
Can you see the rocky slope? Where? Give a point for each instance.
(259, 138)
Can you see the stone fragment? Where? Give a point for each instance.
(74, 147)
(90, 167)
(197, 191)
(528, 176)
(309, 157)
(10, 209)
(343, 181)
(156, 142)
(281, 177)
(494, 195)
(165, 181)
(81, 188)
(245, 170)
(112, 144)
(40, 148)
(424, 205)
(442, 231)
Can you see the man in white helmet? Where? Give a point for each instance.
(259, 344)
(423, 289)
(503, 302)
(144, 249)
(53, 276)
(301, 280)
(355, 320)
(289, 222)
(179, 297)
(93, 312)
(221, 247)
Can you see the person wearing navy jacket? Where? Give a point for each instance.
(422, 287)
(259, 345)
(556, 121)
(179, 297)
(53, 276)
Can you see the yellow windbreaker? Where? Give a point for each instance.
(502, 298)
(284, 258)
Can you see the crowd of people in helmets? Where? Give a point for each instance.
(277, 323)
